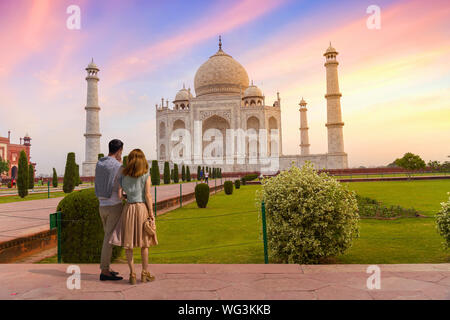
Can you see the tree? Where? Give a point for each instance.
(166, 173)
(183, 173)
(30, 176)
(198, 172)
(55, 179)
(154, 170)
(410, 162)
(188, 174)
(69, 173)
(4, 166)
(22, 176)
(434, 165)
(175, 173)
(125, 161)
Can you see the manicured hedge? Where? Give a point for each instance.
(82, 230)
(237, 184)
(228, 187)
(202, 195)
(22, 175)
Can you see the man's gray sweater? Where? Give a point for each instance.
(106, 171)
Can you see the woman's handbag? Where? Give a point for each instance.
(148, 227)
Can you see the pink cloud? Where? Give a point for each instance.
(213, 23)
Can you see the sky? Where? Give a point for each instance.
(395, 80)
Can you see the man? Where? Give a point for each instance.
(206, 176)
(107, 173)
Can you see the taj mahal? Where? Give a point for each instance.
(188, 130)
(224, 99)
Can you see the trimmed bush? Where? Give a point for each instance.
(198, 172)
(77, 175)
(202, 195)
(310, 216)
(371, 208)
(55, 179)
(183, 173)
(443, 222)
(154, 173)
(82, 240)
(237, 184)
(30, 176)
(9, 185)
(176, 177)
(125, 161)
(166, 173)
(250, 177)
(188, 174)
(228, 187)
(22, 175)
(69, 173)
(100, 155)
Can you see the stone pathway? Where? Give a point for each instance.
(230, 281)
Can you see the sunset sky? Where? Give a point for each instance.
(395, 81)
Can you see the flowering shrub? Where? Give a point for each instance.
(309, 215)
(443, 222)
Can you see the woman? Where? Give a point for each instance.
(129, 233)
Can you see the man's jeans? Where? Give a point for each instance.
(110, 216)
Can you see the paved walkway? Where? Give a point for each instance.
(241, 282)
(18, 219)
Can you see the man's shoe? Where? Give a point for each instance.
(114, 273)
(113, 277)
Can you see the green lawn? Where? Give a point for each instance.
(423, 195)
(36, 196)
(227, 231)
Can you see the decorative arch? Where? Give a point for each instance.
(162, 152)
(252, 143)
(178, 124)
(221, 124)
(273, 145)
(162, 130)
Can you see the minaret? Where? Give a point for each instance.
(92, 121)
(333, 96)
(304, 137)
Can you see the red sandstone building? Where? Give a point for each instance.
(10, 151)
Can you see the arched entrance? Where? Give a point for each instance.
(215, 128)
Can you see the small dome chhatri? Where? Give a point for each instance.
(302, 103)
(252, 91)
(330, 50)
(183, 95)
(92, 65)
(220, 74)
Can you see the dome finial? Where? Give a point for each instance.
(220, 42)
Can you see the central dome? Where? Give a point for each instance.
(220, 74)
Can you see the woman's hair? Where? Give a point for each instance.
(137, 165)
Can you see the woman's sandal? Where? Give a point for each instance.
(146, 276)
(132, 278)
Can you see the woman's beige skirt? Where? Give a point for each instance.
(129, 232)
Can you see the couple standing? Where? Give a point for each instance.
(124, 224)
